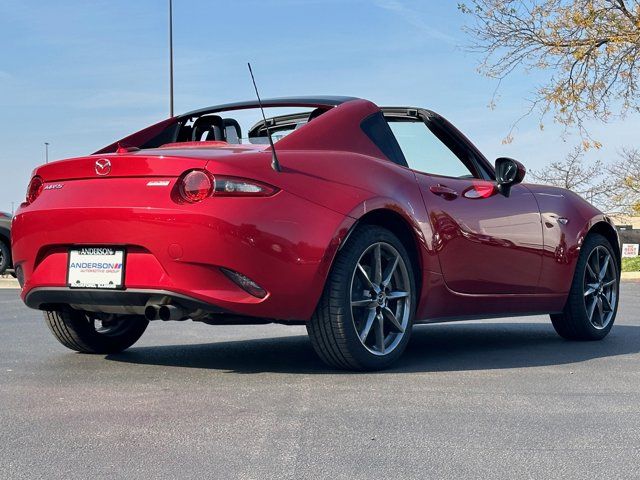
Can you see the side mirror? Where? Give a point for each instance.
(509, 172)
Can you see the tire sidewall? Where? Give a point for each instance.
(102, 343)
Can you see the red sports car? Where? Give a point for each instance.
(364, 222)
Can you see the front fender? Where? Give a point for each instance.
(604, 225)
(566, 219)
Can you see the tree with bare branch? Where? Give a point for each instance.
(624, 181)
(588, 180)
(589, 48)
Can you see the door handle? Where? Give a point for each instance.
(443, 191)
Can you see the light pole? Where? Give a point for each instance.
(46, 152)
(170, 58)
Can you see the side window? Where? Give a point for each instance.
(425, 152)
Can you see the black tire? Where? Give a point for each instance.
(5, 257)
(332, 328)
(576, 322)
(77, 330)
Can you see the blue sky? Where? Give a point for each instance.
(80, 74)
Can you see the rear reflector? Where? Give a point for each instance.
(245, 283)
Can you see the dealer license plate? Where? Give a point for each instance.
(96, 267)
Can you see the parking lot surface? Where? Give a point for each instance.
(493, 399)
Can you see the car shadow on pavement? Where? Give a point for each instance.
(433, 348)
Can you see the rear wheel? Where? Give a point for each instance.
(593, 300)
(364, 318)
(5, 257)
(90, 333)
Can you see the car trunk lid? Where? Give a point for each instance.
(161, 162)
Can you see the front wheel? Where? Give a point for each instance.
(593, 300)
(364, 318)
(90, 333)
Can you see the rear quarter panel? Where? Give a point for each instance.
(355, 185)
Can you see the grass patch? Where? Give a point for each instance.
(631, 264)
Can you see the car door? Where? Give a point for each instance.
(486, 243)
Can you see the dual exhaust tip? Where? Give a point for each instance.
(164, 312)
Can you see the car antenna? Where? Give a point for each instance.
(275, 164)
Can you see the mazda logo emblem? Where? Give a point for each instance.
(103, 167)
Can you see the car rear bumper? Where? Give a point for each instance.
(283, 243)
(130, 301)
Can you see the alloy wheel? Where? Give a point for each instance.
(380, 298)
(600, 287)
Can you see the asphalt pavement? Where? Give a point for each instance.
(488, 399)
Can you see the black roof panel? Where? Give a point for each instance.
(311, 101)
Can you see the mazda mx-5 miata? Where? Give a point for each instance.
(367, 221)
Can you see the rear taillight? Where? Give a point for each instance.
(35, 189)
(197, 185)
(241, 187)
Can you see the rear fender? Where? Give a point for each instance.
(414, 220)
(372, 211)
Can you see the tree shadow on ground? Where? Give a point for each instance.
(433, 348)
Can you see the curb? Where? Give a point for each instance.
(630, 276)
(9, 282)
